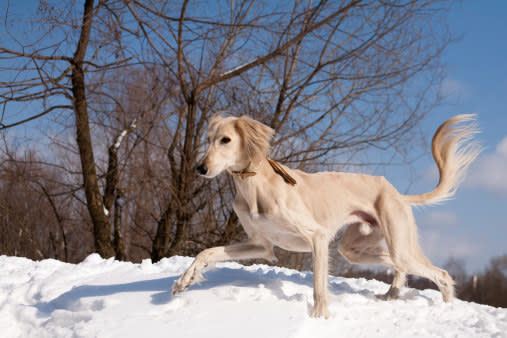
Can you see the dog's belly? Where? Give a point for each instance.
(290, 242)
(280, 233)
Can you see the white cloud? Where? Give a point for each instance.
(489, 172)
(454, 88)
(439, 247)
(440, 238)
(439, 218)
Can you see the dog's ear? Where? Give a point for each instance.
(256, 137)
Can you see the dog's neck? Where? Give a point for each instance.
(251, 178)
(247, 182)
(248, 172)
(244, 173)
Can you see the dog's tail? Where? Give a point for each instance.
(453, 150)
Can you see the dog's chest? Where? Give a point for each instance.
(279, 231)
(266, 218)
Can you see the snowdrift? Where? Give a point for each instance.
(107, 298)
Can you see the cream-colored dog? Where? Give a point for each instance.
(302, 212)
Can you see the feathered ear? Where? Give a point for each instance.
(256, 138)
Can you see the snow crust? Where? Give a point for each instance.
(106, 298)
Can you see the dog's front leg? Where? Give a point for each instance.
(320, 275)
(238, 251)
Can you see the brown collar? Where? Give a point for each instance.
(244, 173)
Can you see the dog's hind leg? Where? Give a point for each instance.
(422, 266)
(394, 291)
(400, 231)
(358, 248)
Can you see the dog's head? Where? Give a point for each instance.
(234, 144)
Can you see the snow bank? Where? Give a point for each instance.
(107, 298)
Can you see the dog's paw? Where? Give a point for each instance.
(392, 294)
(178, 287)
(191, 276)
(182, 283)
(320, 311)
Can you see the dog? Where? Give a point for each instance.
(302, 212)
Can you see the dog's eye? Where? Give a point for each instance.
(225, 140)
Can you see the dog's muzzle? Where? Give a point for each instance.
(202, 169)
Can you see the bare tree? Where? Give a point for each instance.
(39, 220)
(57, 72)
(488, 287)
(456, 268)
(332, 78)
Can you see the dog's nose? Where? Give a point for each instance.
(202, 169)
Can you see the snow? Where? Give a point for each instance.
(120, 138)
(236, 68)
(106, 212)
(106, 298)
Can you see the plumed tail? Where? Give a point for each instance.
(454, 149)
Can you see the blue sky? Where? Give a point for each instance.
(473, 226)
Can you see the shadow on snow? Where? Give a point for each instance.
(275, 282)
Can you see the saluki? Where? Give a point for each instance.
(302, 212)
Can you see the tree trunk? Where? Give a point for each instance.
(182, 196)
(118, 242)
(101, 225)
(162, 237)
